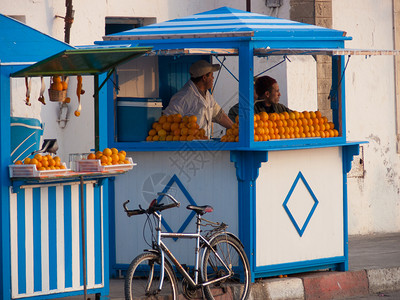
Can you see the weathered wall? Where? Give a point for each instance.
(374, 198)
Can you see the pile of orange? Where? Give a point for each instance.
(110, 157)
(43, 162)
(58, 83)
(286, 125)
(176, 128)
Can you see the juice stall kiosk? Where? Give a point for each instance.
(54, 220)
(285, 198)
(273, 193)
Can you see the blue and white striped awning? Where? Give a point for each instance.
(228, 22)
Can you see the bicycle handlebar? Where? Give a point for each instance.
(154, 206)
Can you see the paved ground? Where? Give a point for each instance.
(374, 273)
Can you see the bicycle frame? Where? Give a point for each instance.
(165, 251)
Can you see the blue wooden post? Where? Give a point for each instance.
(246, 98)
(247, 164)
(5, 265)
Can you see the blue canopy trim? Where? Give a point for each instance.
(227, 20)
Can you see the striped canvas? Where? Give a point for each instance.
(228, 20)
(46, 248)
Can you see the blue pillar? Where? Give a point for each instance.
(5, 258)
(247, 164)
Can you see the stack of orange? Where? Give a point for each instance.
(43, 162)
(58, 83)
(286, 125)
(110, 157)
(176, 128)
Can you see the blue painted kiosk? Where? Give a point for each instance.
(53, 230)
(286, 199)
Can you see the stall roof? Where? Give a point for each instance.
(229, 22)
(276, 51)
(21, 43)
(88, 61)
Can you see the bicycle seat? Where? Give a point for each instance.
(201, 210)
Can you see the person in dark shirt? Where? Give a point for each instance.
(266, 97)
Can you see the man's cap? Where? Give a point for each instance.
(202, 67)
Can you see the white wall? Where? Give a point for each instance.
(374, 201)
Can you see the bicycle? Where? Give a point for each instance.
(225, 269)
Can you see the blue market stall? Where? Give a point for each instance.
(274, 194)
(54, 229)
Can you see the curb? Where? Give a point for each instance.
(327, 285)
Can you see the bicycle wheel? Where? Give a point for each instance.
(237, 286)
(143, 278)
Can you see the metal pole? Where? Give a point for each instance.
(83, 239)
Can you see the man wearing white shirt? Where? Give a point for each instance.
(195, 98)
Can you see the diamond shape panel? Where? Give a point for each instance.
(189, 198)
(300, 227)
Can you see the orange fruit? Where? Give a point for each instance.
(77, 113)
(306, 114)
(185, 119)
(27, 161)
(190, 137)
(162, 119)
(152, 132)
(64, 85)
(149, 138)
(167, 126)
(176, 137)
(182, 138)
(318, 114)
(263, 116)
(38, 157)
(56, 78)
(177, 118)
(156, 138)
(51, 162)
(114, 159)
(114, 150)
(104, 159)
(286, 114)
(162, 132)
(45, 163)
(193, 125)
(155, 125)
(170, 118)
(192, 119)
(57, 86)
(99, 154)
(91, 156)
(18, 162)
(33, 161)
(185, 131)
(177, 132)
(174, 126)
(67, 100)
(107, 152)
(169, 138)
(158, 127)
(336, 133)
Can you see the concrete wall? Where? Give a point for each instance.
(373, 198)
